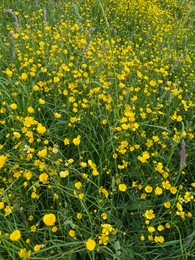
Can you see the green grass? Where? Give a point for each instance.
(97, 129)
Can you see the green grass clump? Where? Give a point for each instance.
(97, 129)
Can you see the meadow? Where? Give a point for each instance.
(97, 127)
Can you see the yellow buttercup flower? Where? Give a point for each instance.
(148, 189)
(41, 129)
(2, 160)
(76, 141)
(15, 235)
(49, 219)
(42, 153)
(90, 244)
(122, 187)
(13, 106)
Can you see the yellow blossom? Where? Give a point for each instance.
(79, 215)
(167, 204)
(37, 248)
(148, 189)
(24, 76)
(122, 187)
(158, 191)
(149, 214)
(151, 229)
(103, 239)
(41, 101)
(43, 177)
(2, 160)
(15, 235)
(76, 141)
(41, 129)
(49, 219)
(13, 106)
(90, 244)
(72, 233)
(42, 153)
(24, 254)
(159, 239)
(8, 72)
(78, 185)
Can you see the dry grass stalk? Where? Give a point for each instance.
(14, 15)
(183, 154)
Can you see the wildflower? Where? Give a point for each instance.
(15, 235)
(27, 175)
(159, 239)
(104, 191)
(24, 76)
(30, 110)
(173, 190)
(149, 214)
(41, 129)
(148, 189)
(95, 172)
(56, 79)
(189, 214)
(8, 210)
(66, 141)
(166, 185)
(54, 229)
(79, 215)
(122, 187)
(1, 205)
(29, 121)
(167, 204)
(16, 135)
(57, 115)
(104, 216)
(153, 83)
(78, 185)
(49, 219)
(71, 233)
(139, 74)
(2, 160)
(106, 229)
(158, 191)
(24, 254)
(8, 72)
(145, 156)
(64, 174)
(103, 239)
(81, 195)
(41, 101)
(160, 228)
(142, 238)
(179, 206)
(35, 88)
(90, 244)
(37, 248)
(76, 141)
(43, 177)
(42, 153)
(151, 229)
(13, 106)
(167, 225)
(83, 164)
(104, 121)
